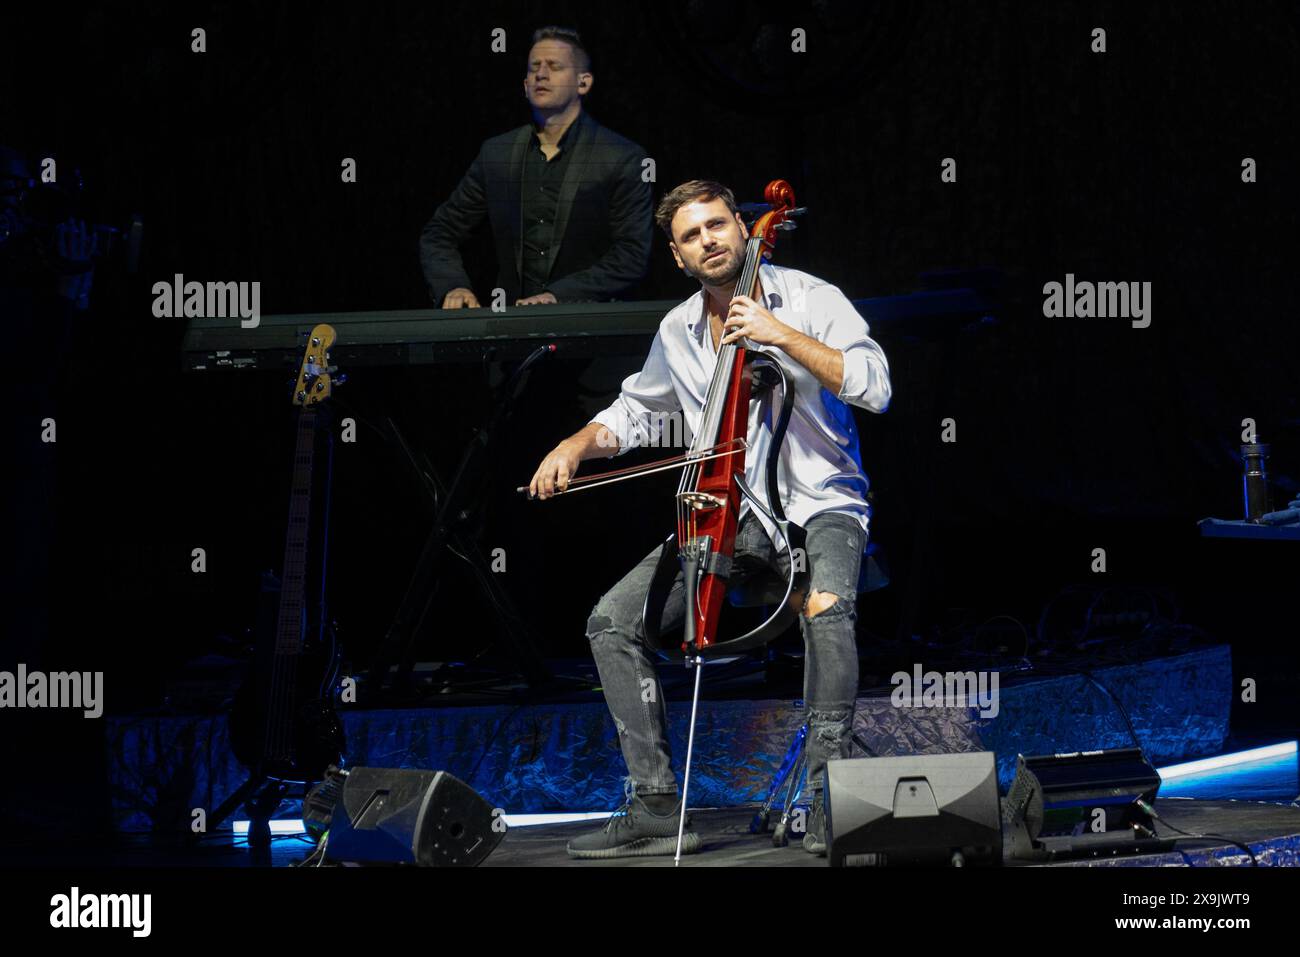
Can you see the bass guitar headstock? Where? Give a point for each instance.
(315, 375)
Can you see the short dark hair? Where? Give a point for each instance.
(565, 35)
(692, 191)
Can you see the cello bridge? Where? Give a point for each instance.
(700, 500)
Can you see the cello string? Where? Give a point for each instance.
(721, 381)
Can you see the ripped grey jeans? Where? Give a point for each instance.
(626, 664)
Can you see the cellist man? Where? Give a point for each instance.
(812, 329)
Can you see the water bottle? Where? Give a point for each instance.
(1254, 481)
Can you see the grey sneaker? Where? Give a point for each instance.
(814, 839)
(635, 831)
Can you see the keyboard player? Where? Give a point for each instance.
(569, 211)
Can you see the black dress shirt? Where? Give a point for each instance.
(540, 197)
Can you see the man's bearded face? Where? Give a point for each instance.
(709, 241)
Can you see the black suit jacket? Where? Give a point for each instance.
(603, 224)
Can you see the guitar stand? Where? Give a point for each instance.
(791, 776)
(262, 796)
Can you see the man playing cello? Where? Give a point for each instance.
(822, 343)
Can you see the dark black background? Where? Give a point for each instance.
(1072, 434)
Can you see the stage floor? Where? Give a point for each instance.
(1271, 829)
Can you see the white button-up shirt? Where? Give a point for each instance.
(820, 467)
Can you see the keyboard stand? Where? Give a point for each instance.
(453, 502)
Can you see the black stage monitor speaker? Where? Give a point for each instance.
(1079, 804)
(913, 810)
(429, 818)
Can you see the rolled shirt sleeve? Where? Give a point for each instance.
(647, 397)
(866, 370)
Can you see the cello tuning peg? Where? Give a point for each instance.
(786, 226)
(798, 211)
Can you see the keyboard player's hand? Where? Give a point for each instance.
(541, 299)
(460, 298)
